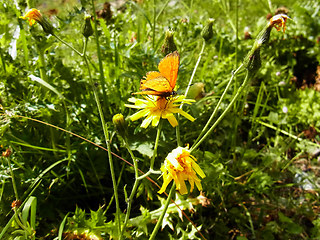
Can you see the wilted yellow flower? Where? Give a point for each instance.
(155, 107)
(279, 21)
(181, 166)
(34, 16)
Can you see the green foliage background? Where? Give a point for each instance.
(262, 180)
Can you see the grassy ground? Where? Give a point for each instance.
(261, 161)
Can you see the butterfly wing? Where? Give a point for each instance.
(169, 67)
(154, 84)
(162, 83)
(150, 76)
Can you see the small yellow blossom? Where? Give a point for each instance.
(279, 21)
(33, 16)
(181, 166)
(155, 107)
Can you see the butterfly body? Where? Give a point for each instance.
(163, 82)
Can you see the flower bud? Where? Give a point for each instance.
(34, 16)
(168, 46)
(120, 124)
(87, 28)
(196, 91)
(253, 61)
(207, 32)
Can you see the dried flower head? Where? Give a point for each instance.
(279, 21)
(6, 153)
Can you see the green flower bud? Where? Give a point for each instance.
(207, 32)
(87, 28)
(253, 61)
(196, 91)
(120, 124)
(168, 46)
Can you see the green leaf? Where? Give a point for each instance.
(47, 85)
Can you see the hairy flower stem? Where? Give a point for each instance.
(16, 214)
(106, 134)
(42, 64)
(96, 34)
(68, 45)
(218, 105)
(165, 208)
(155, 150)
(13, 179)
(188, 87)
(246, 80)
(103, 123)
(134, 189)
(18, 221)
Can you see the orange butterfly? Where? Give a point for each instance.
(163, 82)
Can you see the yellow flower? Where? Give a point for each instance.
(33, 16)
(279, 21)
(181, 166)
(154, 108)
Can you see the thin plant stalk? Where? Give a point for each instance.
(134, 189)
(218, 105)
(68, 45)
(96, 34)
(13, 179)
(155, 150)
(18, 221)
(42, 64)
(3, 61)
(165, 208)
(246, 80)
(16, 196)
(106, 134)
(188, 87)
(103, 123)
(195, 69)
(154, 23)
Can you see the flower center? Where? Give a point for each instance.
(162, 103)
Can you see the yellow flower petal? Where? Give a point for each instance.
(166, 182)
(180, 166)
(154, 108)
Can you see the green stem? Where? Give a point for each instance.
(42, 64)
(106, 135)
(16, 217)
(154, 24)
(155, 150)
(218, 105)
(154, 154)
(248, 76)
(188, 87)
(13, 179)
(3, 62)
(134, 189)
(96, 34)
(195, 69)
(156, 228)
(68, 45)
(118, 182)
(103, 123)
